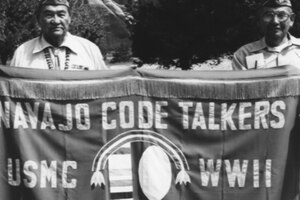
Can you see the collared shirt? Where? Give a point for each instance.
(257, 55)
(83, 54)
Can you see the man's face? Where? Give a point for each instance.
(54, 20)
(275, 23)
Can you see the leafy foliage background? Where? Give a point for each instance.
(168, 32)
(183, 32)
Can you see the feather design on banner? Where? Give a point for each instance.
(151, 137)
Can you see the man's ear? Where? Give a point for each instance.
(292, 19)
(70, 15)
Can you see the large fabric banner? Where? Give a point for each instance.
(149, 135)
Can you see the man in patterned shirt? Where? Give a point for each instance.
(277, 47)
(56, 48)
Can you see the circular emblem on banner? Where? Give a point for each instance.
(155, 173)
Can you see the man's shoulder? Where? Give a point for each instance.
(250, 47)
(83, 41)
(239, 57)
(28, 45)
(295, 41)
(23, 53)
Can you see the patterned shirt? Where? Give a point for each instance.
(257, 55)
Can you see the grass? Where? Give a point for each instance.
(222, 63)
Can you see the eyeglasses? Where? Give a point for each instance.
(281, 16)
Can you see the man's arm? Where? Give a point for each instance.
(238, 62)
(98, 59)
(16, 58)
(239, 59)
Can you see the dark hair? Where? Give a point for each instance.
(40, 8)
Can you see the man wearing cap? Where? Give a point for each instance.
(277, 47)
(56, 48)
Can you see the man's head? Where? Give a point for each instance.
(54, 19)
(276, 17)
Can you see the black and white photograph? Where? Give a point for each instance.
(149, 100)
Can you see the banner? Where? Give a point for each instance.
(149, 135)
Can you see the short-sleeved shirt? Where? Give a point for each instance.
(75, 53)
(257, 55)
